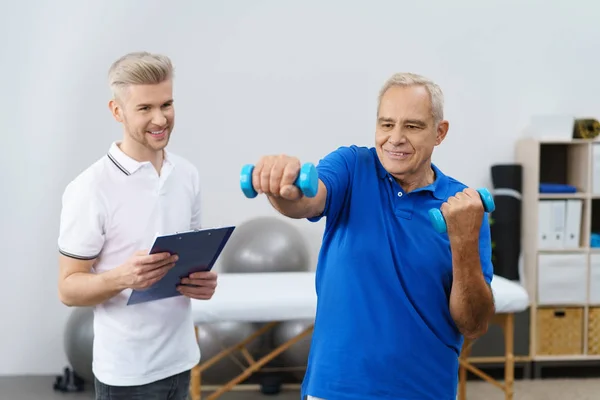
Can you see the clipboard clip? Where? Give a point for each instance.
(193, 230)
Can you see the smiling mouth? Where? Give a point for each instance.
(158, 133)
(397, 155)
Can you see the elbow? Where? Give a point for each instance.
(475, 332)
(65, 299)
(477, 329)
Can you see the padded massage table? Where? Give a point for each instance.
(282, 296)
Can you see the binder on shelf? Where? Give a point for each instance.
(551, 224)
(559, 208)
(544, 224)
(573, 212)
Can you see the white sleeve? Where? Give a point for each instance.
(82, 218)
(196, 222)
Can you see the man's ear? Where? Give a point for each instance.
(116, 110)
(442, 130)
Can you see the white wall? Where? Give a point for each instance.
(254, 78)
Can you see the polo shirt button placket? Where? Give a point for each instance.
(157, 185)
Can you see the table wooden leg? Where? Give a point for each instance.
(509, 368)
(256, 365)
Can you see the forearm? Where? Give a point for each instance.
(302, 208)
(85, 289)
(471, 298)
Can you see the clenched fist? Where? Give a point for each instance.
(275, 176)
(463, 213)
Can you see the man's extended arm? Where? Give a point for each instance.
(471, 298)
(335, 172)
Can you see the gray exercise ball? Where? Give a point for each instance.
(297, 354)
(216, 337)
(79, 342)
(265, 244)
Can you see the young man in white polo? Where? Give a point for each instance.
(110, 215)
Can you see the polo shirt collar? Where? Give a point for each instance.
(438, 188)
(126, 164)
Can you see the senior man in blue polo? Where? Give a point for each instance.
(395, 297)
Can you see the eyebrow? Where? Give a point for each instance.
(150, 105)
(417, 122)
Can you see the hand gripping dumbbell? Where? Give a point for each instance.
(307, 180)
(437, 219)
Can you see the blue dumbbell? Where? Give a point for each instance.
(437, 219)
(307, 181)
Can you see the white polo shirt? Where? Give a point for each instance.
(111, 210)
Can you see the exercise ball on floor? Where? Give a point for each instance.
(297, 354)
(265, 244)
(218, 336)
(79, 341)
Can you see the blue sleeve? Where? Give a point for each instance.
(485, 249)
(335, 171)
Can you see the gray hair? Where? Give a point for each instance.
(139, 68)
(410, 79)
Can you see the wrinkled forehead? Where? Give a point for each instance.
(399, 103)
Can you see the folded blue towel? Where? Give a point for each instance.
(557, 188)
(595, 240)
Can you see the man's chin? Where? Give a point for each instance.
(157, 146)
(396, 167)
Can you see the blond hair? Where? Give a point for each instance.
(410, 79)
(138, 68)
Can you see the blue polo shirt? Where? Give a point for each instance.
(383, 327)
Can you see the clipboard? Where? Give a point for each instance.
(198, 250)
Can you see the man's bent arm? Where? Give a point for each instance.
(305, 207)
(78, 287)
(471, 298)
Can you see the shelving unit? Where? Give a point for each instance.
(563, 282)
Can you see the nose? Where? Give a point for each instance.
(158, 118)
(397, 137)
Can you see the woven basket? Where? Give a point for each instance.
(594, 331)
(560, 331)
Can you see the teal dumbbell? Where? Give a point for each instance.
(307, 181)
(437, 219)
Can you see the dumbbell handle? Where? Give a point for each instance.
(438, 221)
(307, 180)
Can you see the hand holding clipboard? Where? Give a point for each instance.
(143, 270)
(199, 285)
(196, 250)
